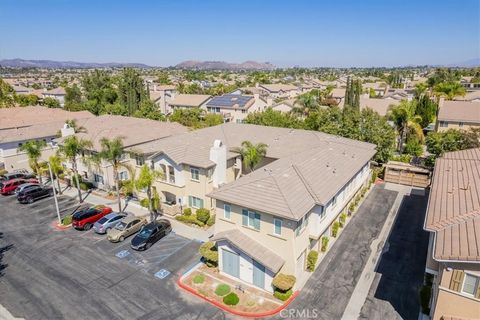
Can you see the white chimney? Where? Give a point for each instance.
(218, 155)
(67, 130)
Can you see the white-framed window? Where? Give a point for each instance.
(98, 178)
(195, 202)
(443, 124)
(163, 168)
(227, 210)
(470, 284)
(123, 175)
(251, 219)
(277, 226)
(195, 172)
(301, 224)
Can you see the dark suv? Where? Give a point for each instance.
(34, 193)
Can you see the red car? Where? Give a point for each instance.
(85, 218)
(9, 186)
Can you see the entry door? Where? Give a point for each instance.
(258, 275)
(301, 263)
(231, 263)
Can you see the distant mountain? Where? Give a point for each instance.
(467, 64)
(50, 64)
(222, 65)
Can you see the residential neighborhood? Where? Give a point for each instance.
(306, 175)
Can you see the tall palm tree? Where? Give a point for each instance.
(111, 152)
(34, 149)
(252, 154)
(145, 181)
(449, 90)
(57, 168)
(71, 148)
(406, 122)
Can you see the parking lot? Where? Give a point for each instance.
(46, 273)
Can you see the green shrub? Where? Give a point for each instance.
(342, 220)
(61, 176)
(364, 191)
(351, 208)
(284, 282)
(187, 211)
(222, 289)
(199, 278)
(211, 220)
(312, 260)
(66, 220)
(3, 172)
(190, 220)
(325, 240)
(231, 299)
(282, 295)
(335, 228)
(144, 203)
(84, 186)
(203, 215)
(406, 158)
(209, 252)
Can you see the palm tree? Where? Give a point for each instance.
(307, 103)
(449, 90)
(406, 122)
(111, 152)
(76, 128)
(34, 149)
(57, 168)
(71, 148)
(145, 181)
(252, 154)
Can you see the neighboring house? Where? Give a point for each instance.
(185, 101)
(57, 93)
(162, 96)
(235, 107)
(398, 94)
(135, 133)
(285, 105)
(279, 90)
(19, 89)
(381, 106)
(339, 95)
(468, 84)
(453, 220)
(458, 115)
(378, 88)
(472, 96)
(21, 124)
(269, 220)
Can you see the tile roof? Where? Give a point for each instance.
(462, 111)
(56, 92)
(231, 101)
(252, 248)
(189, 100)
(27, 116)
(469, 96)
(453, 211)
(381, 106)
(279, 87)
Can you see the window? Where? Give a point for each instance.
(460, 124)
(227, 210)
(301, 224)
(195, 202)
(195, 172)
(334, 201)
(470, 284)
(443, 124)
(123, 175)
(171, 174)
(277, 226)
(251, 219)
(98, 178)
(239, 121)
(139, 160)
(163, 168)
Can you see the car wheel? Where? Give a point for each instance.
(121, 238)
(87, 226)
(30, 200)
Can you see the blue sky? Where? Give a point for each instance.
(285, 33)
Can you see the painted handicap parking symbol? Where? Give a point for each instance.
(122, 254)
(162, 274)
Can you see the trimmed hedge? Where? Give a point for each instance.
(203, 215)
(284, 282)
(187, 212)
(335, 228)
(199, 278)
(351, 208)
(66, 220)
(209, 252)
(282, 295)
(312, 260)
(231, 299)
(190, 219)
(222, 289)
(211, 220)
(342, 220)
(144, 203)
(325, 240)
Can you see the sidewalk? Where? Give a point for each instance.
(178, 227)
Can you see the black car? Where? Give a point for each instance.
(34, 193)
(150, 234)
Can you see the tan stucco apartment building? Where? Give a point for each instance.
(458, 115)
(453, 220)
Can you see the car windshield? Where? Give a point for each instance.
(103, 220)
(121, 226)
(145, 233)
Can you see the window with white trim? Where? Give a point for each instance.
(470, 284)
(277, 226)
(227, 210)
(195, 172)
(195, 202)
(123, 175)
